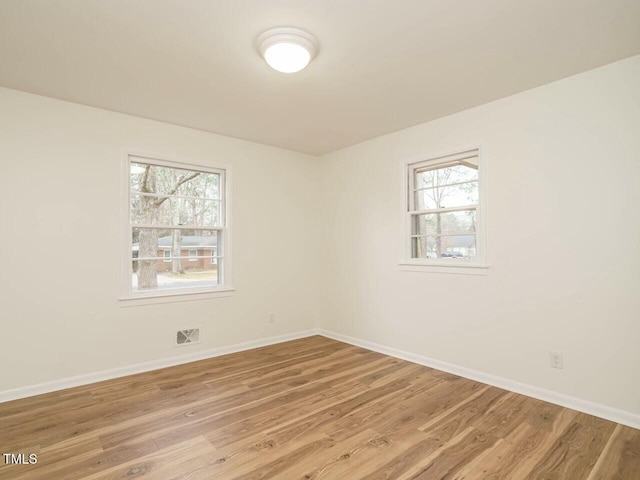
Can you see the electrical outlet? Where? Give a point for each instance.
(555, 359)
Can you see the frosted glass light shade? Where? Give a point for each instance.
(287, 57)
(287, 49)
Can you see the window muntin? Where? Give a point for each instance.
(176, 219)
(443, 210)
(207, 211)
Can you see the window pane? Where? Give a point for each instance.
(442, 176)
(175, 211)
(205, 277)
(178, 272)
(443, 223)
(445, 197)
(175, 181)
(447, 247)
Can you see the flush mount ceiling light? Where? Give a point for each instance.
(287, 49)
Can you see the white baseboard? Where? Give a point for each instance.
(80, 380)
(609, 413)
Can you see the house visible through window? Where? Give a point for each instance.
(443, 210)
(177, 217)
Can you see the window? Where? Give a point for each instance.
(214, 256)
(177, 214)
(443, 211)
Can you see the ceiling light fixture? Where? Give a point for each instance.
(287, 49)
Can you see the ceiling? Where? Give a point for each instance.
(383, 65)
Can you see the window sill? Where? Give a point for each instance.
(458, 269)
(155, 298)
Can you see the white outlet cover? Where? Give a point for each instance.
(555, 359)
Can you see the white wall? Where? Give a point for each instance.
(563, 232)
(563, 228)
(60, 237)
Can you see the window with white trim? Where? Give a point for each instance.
(443, 211)
(177, 215)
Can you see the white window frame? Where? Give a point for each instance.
(166, 258)
(477, 266)
(128, 297)
(194, 257)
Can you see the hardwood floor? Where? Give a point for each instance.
(308, 409)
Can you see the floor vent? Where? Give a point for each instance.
(187, 337)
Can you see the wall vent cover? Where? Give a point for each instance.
(188, 336)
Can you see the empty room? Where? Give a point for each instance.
(320, 239)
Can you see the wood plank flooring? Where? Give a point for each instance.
(308, 409)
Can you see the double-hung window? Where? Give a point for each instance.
(176, 217)
(443, 220)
